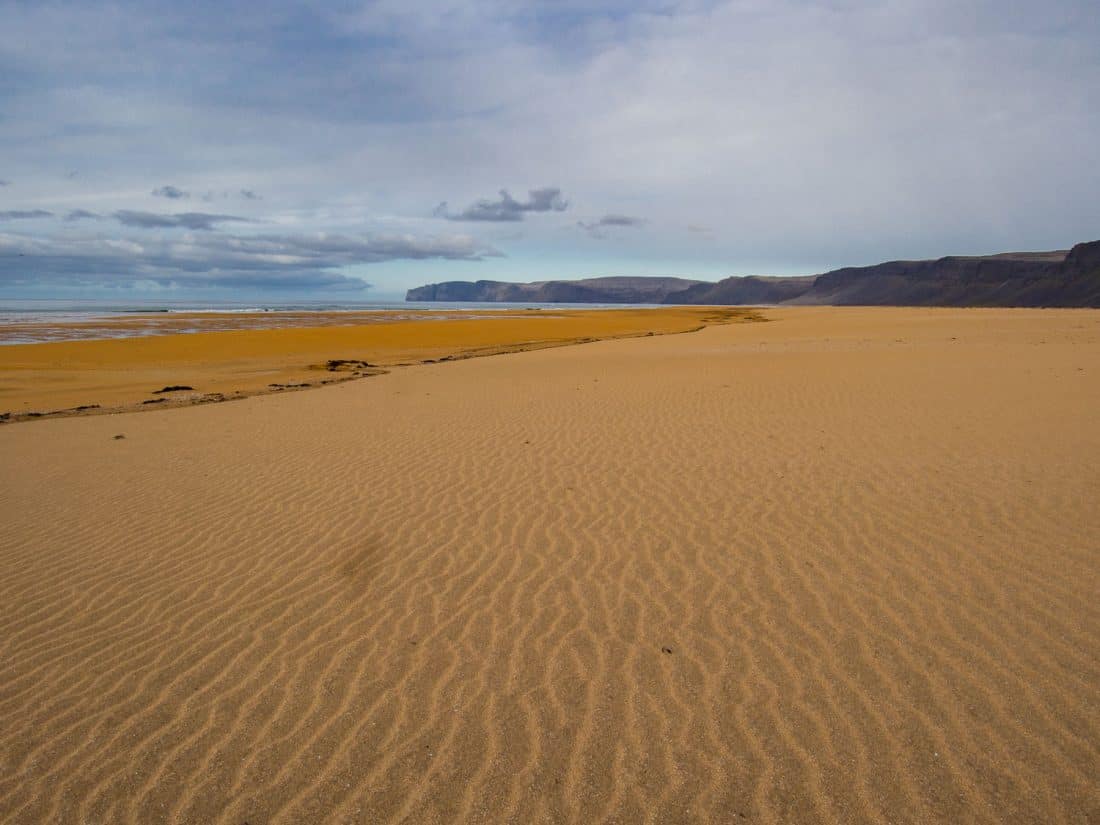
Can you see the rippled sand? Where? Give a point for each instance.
(840, 567)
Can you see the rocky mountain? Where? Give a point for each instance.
(1027, 279)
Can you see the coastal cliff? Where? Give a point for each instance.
(1023, 279)
(751, 289)
(1063, 278)
(622, 290)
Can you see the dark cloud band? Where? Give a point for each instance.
(171, 192)
(184, 220)
(595, 228)
(302, 262)
(199, 221)
(507, 208)
(24, 214)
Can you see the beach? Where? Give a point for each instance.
(228, 356)
(838, 565)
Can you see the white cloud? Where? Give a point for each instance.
(802, 134)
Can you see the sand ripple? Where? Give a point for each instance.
(841, 567)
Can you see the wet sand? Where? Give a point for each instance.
(838, 567)
(244, 354)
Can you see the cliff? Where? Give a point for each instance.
(751, 289)
(1025, 279)
(589, 291)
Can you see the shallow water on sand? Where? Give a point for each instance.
(32, 322)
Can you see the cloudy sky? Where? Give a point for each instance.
(236, 149)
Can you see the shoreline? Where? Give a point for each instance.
(83, 377)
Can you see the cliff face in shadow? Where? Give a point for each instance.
(587, 291)
(1029, 279)
(1024, 279)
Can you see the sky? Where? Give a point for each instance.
(351, 150)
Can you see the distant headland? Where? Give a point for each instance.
(1063, 278)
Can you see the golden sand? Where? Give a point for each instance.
(112, 374)
(839, 567)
